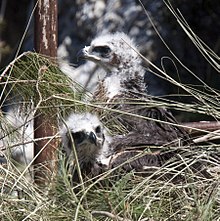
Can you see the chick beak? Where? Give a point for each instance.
(92, 138)
(83, 54)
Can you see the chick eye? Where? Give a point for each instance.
(98, 129)
(104, 51)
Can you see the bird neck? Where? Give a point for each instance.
(124, 80)
(112, 85)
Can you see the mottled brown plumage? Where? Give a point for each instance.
(167, 164)
(126, 109)
(123, 90)
(97, 151)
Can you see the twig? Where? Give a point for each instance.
(204, 125)
(3, 147)
(210, 126)
(11, 64)
(207, 137)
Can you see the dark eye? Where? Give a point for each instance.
(98, 129)
(104, 51)
(78, 137)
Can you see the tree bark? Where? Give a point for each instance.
(45, 126)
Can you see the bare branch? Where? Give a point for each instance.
(201, 125)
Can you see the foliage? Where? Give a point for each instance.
(33, 78)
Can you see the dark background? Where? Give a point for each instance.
(80, 21)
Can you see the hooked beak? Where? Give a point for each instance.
(84, 54)
(92, 138)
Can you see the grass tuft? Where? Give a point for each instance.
(35, 78)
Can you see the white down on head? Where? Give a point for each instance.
(89, 136)
(117, 55)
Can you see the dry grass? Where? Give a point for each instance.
(129, 196)
(112, 195)
(109, 196)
